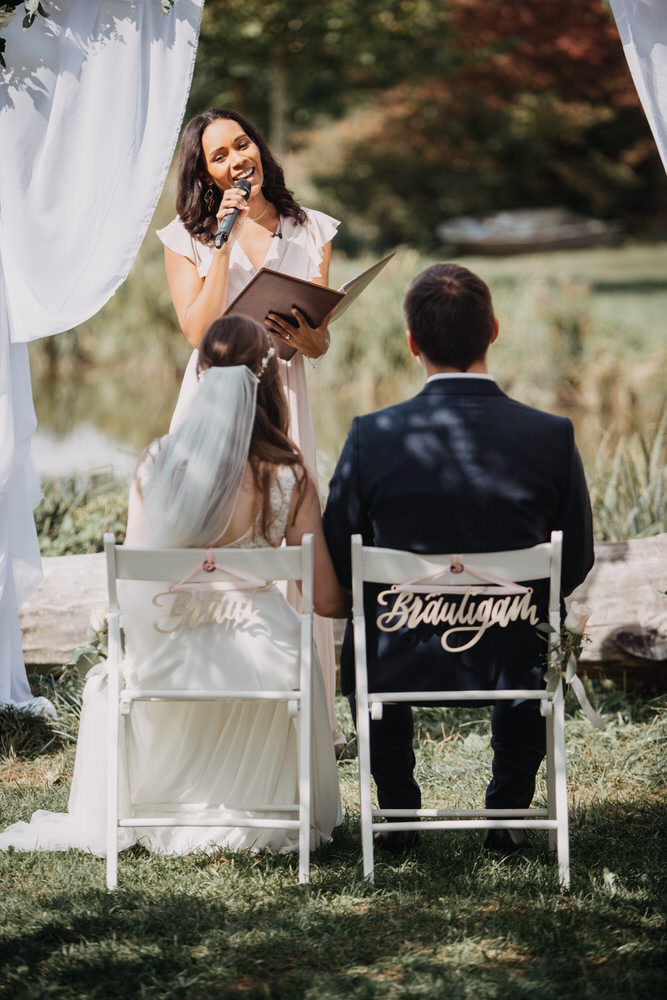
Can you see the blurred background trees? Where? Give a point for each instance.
(395, 116)
(414, 111)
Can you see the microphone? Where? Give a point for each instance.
(225, 227)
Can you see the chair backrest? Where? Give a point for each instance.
(478, 573)
(172, 565)
(376, 565)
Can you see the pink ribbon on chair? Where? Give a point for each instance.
(208, 564)
(240, 580)
(490, 583)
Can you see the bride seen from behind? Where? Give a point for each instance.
(236, 341)
(228, 477)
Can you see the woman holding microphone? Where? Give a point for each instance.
(221, 154)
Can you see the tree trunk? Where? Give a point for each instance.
(277, 108)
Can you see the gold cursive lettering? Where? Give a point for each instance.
(465, 617)
(190, 610)
(396, 618)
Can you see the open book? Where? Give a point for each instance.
(271, 291)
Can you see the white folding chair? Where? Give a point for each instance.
(171, 565)
(501, 572)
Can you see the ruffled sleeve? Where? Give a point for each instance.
(321, 228)
(176, 237)
(304, 245)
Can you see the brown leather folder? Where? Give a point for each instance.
(270, 291)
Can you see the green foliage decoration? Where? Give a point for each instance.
(95, 650)
(7, 10)
(72, 520)
(34, 7)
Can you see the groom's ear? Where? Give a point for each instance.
(412, 345)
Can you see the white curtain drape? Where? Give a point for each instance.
(642, 25)
(91, 105)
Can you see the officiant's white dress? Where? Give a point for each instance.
(201, 753)
(297, 252)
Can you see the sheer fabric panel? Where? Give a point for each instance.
(91, 105)
(642, 25)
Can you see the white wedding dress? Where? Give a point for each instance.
(198, 753)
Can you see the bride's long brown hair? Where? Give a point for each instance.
(238, 340)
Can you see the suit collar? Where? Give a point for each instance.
(471, 385)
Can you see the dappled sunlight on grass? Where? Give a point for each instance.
(446, 919)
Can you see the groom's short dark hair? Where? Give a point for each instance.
(450, 315)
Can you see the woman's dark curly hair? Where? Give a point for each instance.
(200, 220)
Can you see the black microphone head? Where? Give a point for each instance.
(225, 227)
(243, 185)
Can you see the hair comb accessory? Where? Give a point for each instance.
(265, 360)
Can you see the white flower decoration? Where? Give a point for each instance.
(577, 618)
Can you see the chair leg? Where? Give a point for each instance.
(113, 747)
(365, 805)
(112, 793)
(560, 783)
(547, 709)
(305, 790)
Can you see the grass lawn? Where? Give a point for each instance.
(446, 920)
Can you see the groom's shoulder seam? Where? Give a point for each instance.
(378, 416)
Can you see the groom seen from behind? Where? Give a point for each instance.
(461, 467)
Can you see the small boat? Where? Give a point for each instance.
(528, 231)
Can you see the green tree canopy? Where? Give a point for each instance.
(473, 106)
(286, 62)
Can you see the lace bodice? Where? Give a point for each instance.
(280, 500)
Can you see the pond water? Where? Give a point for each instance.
(83, 451)
(85, 422)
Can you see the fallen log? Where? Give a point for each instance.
(56, 617)
(625, 589)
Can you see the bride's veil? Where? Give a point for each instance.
(191, 481)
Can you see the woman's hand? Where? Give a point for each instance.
(232, 199)
(313, 341)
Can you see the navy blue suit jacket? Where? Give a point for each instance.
(460, 467)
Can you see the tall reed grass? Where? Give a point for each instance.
(581, 333)
(629, 485)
